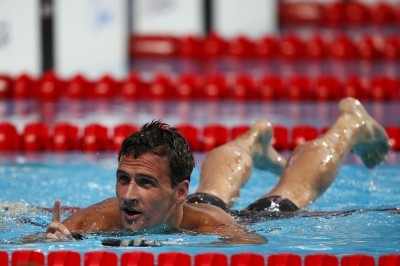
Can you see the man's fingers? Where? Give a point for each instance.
(58, 227)
(58, 231)
(56, 211)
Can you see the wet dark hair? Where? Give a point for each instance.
(162, 140)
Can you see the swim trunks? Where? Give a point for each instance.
(273, 204)
(206, 198)
(268, 204)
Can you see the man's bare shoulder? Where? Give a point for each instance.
(103, 215)
(208, 219)
(203, 217)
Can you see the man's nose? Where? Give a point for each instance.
(131, 191)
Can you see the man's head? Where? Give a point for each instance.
(164, 141)
(153, 177)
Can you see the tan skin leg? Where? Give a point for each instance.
(228, 167)
(310, 169)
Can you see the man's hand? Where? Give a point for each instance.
(56, 230)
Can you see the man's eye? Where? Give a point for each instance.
(145, 181)
(123, 179)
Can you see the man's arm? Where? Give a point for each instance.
(208, 219)
(56, 230)
(100, 216)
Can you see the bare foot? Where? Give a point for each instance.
(265, 157)
(372, 141)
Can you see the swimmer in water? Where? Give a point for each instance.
(155, 164)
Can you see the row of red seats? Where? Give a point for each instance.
(339, 13)
(140, 258)
(288, 46)
(214, 86)
(95, 137)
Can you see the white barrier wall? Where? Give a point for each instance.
(170, 17)
(20, 37)
(229, 18)
(91, 37)
(253, 18)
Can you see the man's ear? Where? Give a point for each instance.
(182, 190)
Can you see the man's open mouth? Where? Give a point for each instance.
(131, 212)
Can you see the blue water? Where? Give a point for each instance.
(83, 179)
(78, 179)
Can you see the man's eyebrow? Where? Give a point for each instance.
(122, 172)
(148, 177)
(119, 171)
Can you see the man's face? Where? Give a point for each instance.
(144, 191)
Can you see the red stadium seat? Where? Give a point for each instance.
(27, 257)
(343, 48)
(78, 88)
(24, 87)
(105, 88)
(357, 14)
(65, 137)
(382, 88)
(299, 88)
(153, 46)
(267, 47)
(396, 10)
(302, 134)
(211, 259)
(191, 134)
(303, 13)
(35, 137)
(6, 87)
(271, 88)
(214, 135)
(64, 257)
(174, 259)
(316, 47)
(137, 258)
(239, 130)
(95, 138)
(188, 86)
(284, 259)
(327, 88)
(243, 88)
(292, 47)
(394, 137)
(355, 87)
(160, 87)
(334, 14)
(280, 140)
(247, 259)
(367, 48)
(389, 260)
(215, 87)
(50, 87)
(241, 46)
(382, 14)
(391, 47)
(9, 138)
(191, 46)
(357, 260)
(3, 258)
(100, 258)
(132, 88)
(321, 260)
(214, 46)
(121, 132)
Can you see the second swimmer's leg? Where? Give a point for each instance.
(228, 167)
(313, 166)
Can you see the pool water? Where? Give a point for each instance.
(81, 179)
